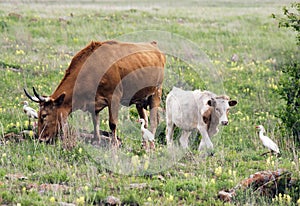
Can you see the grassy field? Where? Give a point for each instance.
(38, 41)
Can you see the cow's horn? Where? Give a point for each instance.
(42, 99)
(35, 99)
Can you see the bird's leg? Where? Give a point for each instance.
(29, 125)
(152, 145)
(263, 154)
(145, 144)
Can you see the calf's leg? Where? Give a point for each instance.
(184, 138)
(169, 132)
(205, 141)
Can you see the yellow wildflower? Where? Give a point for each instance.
(31, 133)
(170, 198)
(86, 188)
(135, 161)
(80, 150)
(218, 171)
(146, 165)
(52, 199)
(80, 200)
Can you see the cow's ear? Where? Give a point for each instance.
(59, 100)
(232, 103)
(211, 102)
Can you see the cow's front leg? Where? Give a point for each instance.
(113, 109)
(95, 117)
(205, 141)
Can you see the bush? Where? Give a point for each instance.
(291, 19)
(289, 89)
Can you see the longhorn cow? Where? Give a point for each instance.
(104, 74)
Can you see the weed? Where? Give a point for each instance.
(37, 47)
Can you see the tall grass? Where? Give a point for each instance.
(37, 47)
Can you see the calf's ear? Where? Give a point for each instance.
(232, 103)
(211, 102)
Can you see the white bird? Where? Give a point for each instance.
(267, 142)
(147, 135)
(30, 112)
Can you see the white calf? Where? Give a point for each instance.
(202, 110)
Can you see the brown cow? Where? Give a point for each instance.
(104, 74)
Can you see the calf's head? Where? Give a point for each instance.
(51, 115)
(221, 106)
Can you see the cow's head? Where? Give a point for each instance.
(51, 115)
(221, 106)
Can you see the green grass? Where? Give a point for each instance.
(37, 48)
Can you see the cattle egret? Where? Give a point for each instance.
(267, 142)
(147, 135)
(30, 112)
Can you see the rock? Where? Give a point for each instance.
(15, 15)
(267, 183)
(16, 177)
(235, 58)
(225, 196)
(161, 178)
(66, 204)
(137, 186)
(111, 200)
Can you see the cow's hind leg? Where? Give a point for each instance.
(154, 103)
(184, 138)
(142, 113)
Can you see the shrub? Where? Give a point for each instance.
(289, 89)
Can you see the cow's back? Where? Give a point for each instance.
(103, 71)
(182, 109)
